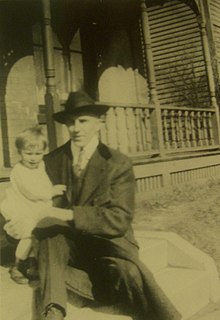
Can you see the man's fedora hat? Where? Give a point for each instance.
(79, 103)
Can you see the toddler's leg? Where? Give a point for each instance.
(18, 271)
(23, 249)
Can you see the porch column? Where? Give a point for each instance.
(51, 97)
(156, 119)
(210, 74)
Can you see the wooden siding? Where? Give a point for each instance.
(178, 56)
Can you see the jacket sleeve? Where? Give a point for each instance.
(112, 212)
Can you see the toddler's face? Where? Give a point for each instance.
(32, 156)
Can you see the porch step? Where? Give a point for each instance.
(153, 253)
(90, 314)
(16, 302)
(187, 276)
(187, 289)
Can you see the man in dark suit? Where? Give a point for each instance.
(89, 227)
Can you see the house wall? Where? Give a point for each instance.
(178, 55)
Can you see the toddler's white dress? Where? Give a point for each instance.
(29, 194)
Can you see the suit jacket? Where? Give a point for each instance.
(104, 213)
(105, 204)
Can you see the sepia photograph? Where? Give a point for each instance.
(109, 160)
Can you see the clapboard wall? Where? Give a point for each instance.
(178, 55)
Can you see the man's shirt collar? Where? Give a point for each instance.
(88, 151)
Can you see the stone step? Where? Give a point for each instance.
(16, 301)
(153, 253)
(90, 314)
(187, 289)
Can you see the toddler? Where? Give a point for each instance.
(31, 192)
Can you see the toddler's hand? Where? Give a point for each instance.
(59, 189)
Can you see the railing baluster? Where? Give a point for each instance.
(111, 128)
(147, 129)
(198, 120)
(187, 128)
(142, 129)
(128, 128)
(165, 128)
(173, 129)
(117, 128)
(180, 130)
(122, 138)
(193, 134)
(205, 130)
(133, 136)
(138, 130)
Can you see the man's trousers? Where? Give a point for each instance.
(114, 280)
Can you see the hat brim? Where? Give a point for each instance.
(95, 110)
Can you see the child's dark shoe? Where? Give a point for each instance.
(32, 269)
(17, 276)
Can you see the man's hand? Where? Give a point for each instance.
(22, 228)
(58, 213)
(59, 189)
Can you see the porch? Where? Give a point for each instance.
(154, 67)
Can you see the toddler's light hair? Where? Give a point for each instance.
(31, 138)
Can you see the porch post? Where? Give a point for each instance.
(51, 97)
(156, 114)
(210, 73)
(207, 56)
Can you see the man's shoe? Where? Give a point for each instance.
(54, 313)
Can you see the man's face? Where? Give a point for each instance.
(83, 128)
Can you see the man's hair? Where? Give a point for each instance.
(31, 138)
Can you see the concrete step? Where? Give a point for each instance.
(153, 253)
(22, 302)
(188, 276)
(16, 302)
(187, 289)
(90, 314)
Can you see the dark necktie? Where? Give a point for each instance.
(77, 168)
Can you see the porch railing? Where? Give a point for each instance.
(131, 129)
(187, 128)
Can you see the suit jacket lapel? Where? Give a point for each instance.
(95, 173)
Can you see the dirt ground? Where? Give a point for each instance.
(192, 211)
